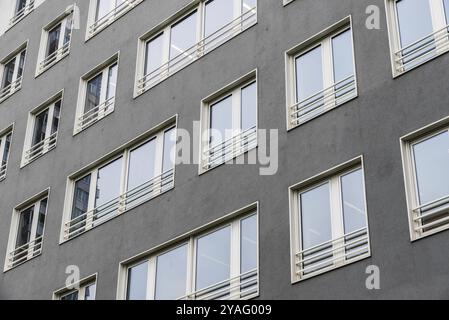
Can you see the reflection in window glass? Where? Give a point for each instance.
(218, 14)
(81, 197)
(93, 93)
(248, 243)
(315, 216)
(53, 39)
(342, 56)
(353, 200)
(40, 127)
(108, 182)
(183, 36)
(41, 218)
(213, 258)
(171, 274)
(25, 223)
(90, 292)
(309, 74)
(8, 73)
(446, 10)
(137, 282)
(414, 20)
(249, 107)
(73, 296)
(221, 120)
(432, 167)
(20, 5)
(142, 164)
(153, 54)
(56, 117)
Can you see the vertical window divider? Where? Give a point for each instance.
(123, 182)
(193, 260)
(338, 231)
(235, 258)
(328, 76)
(34, 227)
(151, 278)
(191, 268)
(91, 201)
(200, 32)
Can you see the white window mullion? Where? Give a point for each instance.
(91, 201)
(61, 36)
(337, 222)
(190, 281)
(2, 147)
(439, 23)
(238, 13)
(164, 72)
(104, 89)
(236, 123)
(328, 74)
(16, 69)
(82, 293)
(151, 279)
(33, 230)
(235, 260)
(158, 163)
(51, 111)
(200, 26)
(123, 182)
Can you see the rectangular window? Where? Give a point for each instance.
(189, 35)
(426, 164)
(138, 174)
(21, 9)
(85, 290)
(102, 13)
(5, 147)
(229, 122)
(225, 266)
(418, 32)
(321, 74)
(55, 42)
(27, 230)
(96, 97)
(329, 221)
(42, 133)
(11, 71)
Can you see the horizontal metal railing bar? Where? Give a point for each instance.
(112, 15)
(431, 224)
(13, 263)
(434, 202)
(235, 137)
(9, 89)
(54, 56)
(421, 39)
(423, 56)
(199, 46)
(35, 241)
(96, 109)
(361, 231)
(225, 157)
(237, 148)
(21, 13)
(43, 142)
(220, 291)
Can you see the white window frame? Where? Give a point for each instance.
(50, 141)
(411, 186)
(46, 62)
(19, 16)
(106, 107)
(242, 21)
(79, 287)
(13, 233)
(120, 205)
(233, 220)
(323, 38)
(440, 27)
(3, 135)
(286, 2)
(16, 84)
(233, 89)
(96, 26)
(331, 176)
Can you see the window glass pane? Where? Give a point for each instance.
(21, 64)
(41, 218)
(249, 107)
(70, 297)
(40, 127)
(142, 164)
(342, 56)
(248, 243)
(25, 222)
(221, 120)
(8, 73)
(171, 274)
(353, 198)
(213, 258)
(414, 20)
(218, 14)
(183, 36)
(309, 74)
(90, 292)
(108, 182)
(5, 155)
(20, 5)
(104, 7)
(315, 216)
(169, 150)
(56, 117)
(432, 168)
(112, 82)
(68, 29)
(137, 282)
(153, 54)
(248, 5)
(446, 10)
(81, 197)
(53, 39)
(93, 92)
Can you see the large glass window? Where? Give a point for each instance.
(331, 224)
(218, 14)
(5, 146)
(225, 266)
(183, 36)
(106, 6)
(320, 85)
(141, 173)
(86, 291)
(11, 77)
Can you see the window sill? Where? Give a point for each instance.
(16, 19)
(9, 268)
(100, 115)
(26, 162)
(10, 94)
(50, 65)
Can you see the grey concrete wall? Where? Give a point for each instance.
(370, 125)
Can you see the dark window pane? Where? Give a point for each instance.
(41, 218)
(40, 127)
(25, 223)
(93, 92)
(20, 5)
(171, 274)
(53, 39)
(8, 73)
(249, 107)
(81, 197)
(137, 282)
(70, 297)
(6, 149)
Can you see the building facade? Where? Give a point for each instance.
(336, 112)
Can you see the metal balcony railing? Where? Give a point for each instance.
(432, 215)
(124, 202)
(230, 148)
(10, 89)
(195, 52)
(54, 57)
(422, 50)
(333, 253)
(95, 114)
(22, 13)
(320, 102)
(241, 287)
(25, 252)
(112, 15)
(41, 148)
(3, 171)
